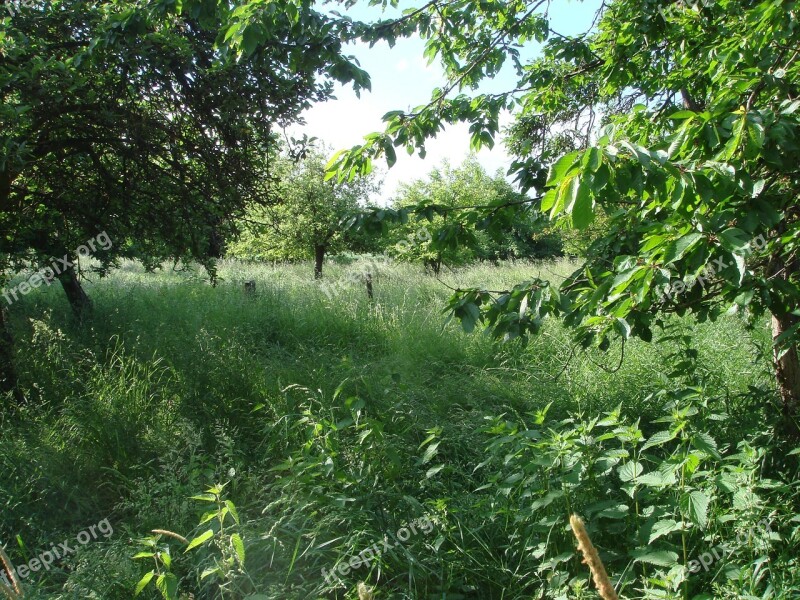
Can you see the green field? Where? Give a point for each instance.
(337, 421)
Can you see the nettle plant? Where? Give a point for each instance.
(223, 561)
(653, 502)
(675, 511)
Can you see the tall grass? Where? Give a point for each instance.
(318, 409)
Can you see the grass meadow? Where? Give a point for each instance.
(337, 423)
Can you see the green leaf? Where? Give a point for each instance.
(204, 498)
(657, 479)
(679, 247)
(232, 509)
(630, 470)
(561, 167)
(767, 213)
(623, 280)
(210, 571)
(641, 154)
(250, 39)
(200, 539)
(592, 159)
(695, 506)
(736, 139)
(662, 528)
(148, 577)
(391, 155)
(620, 511)
(566, 190)
(660, 558)
(167, 584)
(706, 443)
(430, 452)
(548, 200)
(209, 516)
(662, 437)
(682, 114)
(583, 206)
(433, 471)
(623, 328)
(758, 187)
(734, 240)
(548, 499)
(470, 317)
(678, 140)
(238, 547)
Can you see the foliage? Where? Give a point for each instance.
(219, 534)
(695, 167)
(539, 136)
(307, 213)
(151, 122)
(338, 422)
(465, 186)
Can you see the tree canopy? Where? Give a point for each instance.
(686, 120)
(464, 186)
(678, 122)
(305, 219)
(152, 122)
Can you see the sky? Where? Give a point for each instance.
(402, 79)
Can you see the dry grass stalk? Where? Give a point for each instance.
(592, 559)
(8, 592)
(171, 534)
(16, 593)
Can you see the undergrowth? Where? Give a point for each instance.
(293, 444)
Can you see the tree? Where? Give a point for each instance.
(462, 187)
(306, 220)
(695, 162)
(536, 140)
(148, 122)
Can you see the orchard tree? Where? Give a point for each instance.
(151, 122)
(536, 141)
(462, 187)
(306, 219)
(690, 144)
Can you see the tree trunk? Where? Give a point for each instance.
(78, 300)
(787, 372)
(368, 279)
(434, 265)
(319, 258)
(5, 189)
(8, 373)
